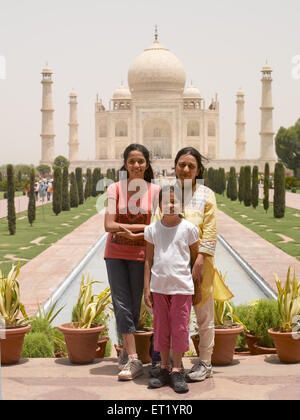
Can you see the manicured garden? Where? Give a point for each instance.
(30, 241)
(283, 233)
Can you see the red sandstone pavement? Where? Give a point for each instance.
(247, 378)
(291, 200)
(21, 204)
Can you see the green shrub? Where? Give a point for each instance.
(290, 182)
(39, 325)
(246, 313)
(254, 189)
(37, 345)
(294, 190)
(266, 316)
(65, 203)
(31, 212)
(57, 190)
(78, 175)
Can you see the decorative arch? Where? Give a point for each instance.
(211, 129)
(193, 129)
(121, 129)
(157, 137)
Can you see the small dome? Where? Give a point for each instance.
(122, 93)
(266, 67)
(47, 69)
(73, 93)
(191, 92)
(240, 93)
(156, 70)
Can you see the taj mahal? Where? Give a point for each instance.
(162, 112)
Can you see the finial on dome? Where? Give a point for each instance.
(156, 34)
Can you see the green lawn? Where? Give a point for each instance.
(46, 230)
(265, 225)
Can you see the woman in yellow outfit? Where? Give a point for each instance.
(199, 207)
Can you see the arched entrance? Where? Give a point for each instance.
(157, 137)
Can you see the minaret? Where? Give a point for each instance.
(240, 152)
(73, 128)
(267, 149)
(47, 136)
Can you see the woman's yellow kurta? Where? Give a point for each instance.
(201, 210)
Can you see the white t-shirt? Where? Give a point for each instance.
(171, 270)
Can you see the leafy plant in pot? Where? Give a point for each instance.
(227, 325)
(10, 307)
(144, 333)
(82, 336)
(287, 336)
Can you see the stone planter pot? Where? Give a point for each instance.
(264, 350)
(11, 346)
(288, 347)
(142, 342)
(100, 352)
(251, 340)
(225, 341)
(81, 343)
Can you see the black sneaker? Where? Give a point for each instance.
(155, 369)
(177, 382)
(161, 379)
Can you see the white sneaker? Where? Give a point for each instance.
(199, 372)
(131, 370)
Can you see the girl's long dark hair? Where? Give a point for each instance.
(199, 158)
(148, 175)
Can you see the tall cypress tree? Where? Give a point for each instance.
(19, 177)
(241, 192)
(78, 174)
(254, 190)
(31, 213)
(88, 184)
(247, 186)
(11, 211)
(65, 205)
(74, 199)
(96, 177)
(233, 186)
(279, 191)
(57, 190)
(210, 176)
(266, 186)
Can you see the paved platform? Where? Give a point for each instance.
(291, 199)
(21, 204)
(247, 378)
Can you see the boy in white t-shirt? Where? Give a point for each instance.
(172, 248)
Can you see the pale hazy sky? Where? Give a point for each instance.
(90, 45)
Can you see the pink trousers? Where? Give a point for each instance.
(171, 315)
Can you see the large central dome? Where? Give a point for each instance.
(156, 70)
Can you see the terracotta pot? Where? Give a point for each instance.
(11, 346)
(100, 352)
(288, 347)
(142, 342)
(225, 341)
(81, 343)
(251, 340)
(264, 350)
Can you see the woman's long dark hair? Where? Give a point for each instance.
(148, 175)
(199, 158)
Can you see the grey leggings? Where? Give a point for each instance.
(126, 280)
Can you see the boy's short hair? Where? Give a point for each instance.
(170, 188)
